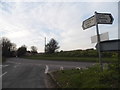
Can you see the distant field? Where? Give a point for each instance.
(83, 59)
(77, 55)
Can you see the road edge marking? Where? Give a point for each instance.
(61, 68)
(3, 74)
(46, 69)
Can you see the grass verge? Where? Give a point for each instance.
(89, 78)
(82, 59)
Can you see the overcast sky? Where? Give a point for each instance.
(30, 22)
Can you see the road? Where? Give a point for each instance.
(26, 73)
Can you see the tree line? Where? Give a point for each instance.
(9, 49)
(51, 49)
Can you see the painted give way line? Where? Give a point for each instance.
(46, 69)
(3, 74)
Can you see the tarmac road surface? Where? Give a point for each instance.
(27, 73)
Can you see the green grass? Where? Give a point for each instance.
(88, 78)
(82, 59)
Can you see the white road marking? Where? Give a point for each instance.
(3, 66)
(61, 68)
(3, 74)
(78, 68)
(46, 69)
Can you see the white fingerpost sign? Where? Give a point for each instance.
(103, 37)
(104, 18)
(88, 23)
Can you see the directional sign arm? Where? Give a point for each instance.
(88, 23)
(104, 18)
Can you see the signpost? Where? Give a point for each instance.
(98, 18)
(103, 37)
(104, 18)
(89, 22)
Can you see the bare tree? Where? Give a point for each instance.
(52, 46)
(33, 49)
(7, 47)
